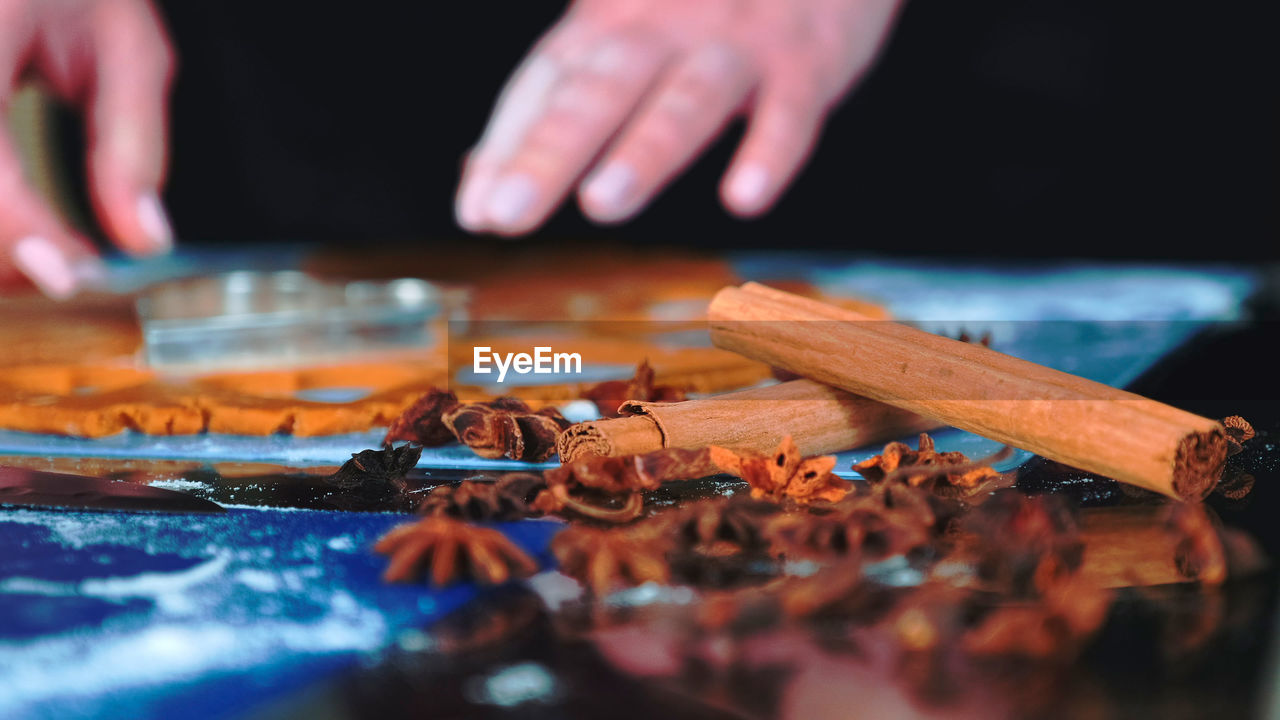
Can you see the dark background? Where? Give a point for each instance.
(992, 128)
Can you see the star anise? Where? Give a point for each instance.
(605, 560)
(609, 395)
(507, 427)
(375, 467)
(784, 473)
(613, 476)
(450, 550)
(506, 498)
(423, 422)
(925, 466)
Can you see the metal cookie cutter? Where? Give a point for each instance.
(269, 319)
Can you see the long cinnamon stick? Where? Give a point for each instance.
(822, 419)
(1060, 416)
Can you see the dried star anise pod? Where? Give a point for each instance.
(450, 550)
(784, 473)
(617, 475)
(506, 498)
(381, 467)
(609, 395)
(605, 560)
(507, 427)
(1239, 432)
(925, 466)
(423, 422)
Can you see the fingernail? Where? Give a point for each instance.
(154, 222)
(747, 187)
(468, 208)
(511, 199)
(46, 265)
(609, 188)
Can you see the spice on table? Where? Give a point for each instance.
(947, 473)
(375, 467)
(507, 427)
(1239, 432)
(785, 473)
(447, 550)
(422, 423)
(507, 498)
(609, 395)
(822, 419)
(614, 476)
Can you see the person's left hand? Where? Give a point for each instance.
(633, 90)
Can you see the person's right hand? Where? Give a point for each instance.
(112, 60)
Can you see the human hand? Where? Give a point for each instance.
(112, 60)
(633, 90)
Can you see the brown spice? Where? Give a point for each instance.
(507, 427)
(611, 394)
(619, 475)
(369, 467)
(1239, 432)
(507, 498)
(940, 471)
(423, 422)
(784, 473)
(1054, 414)
(605, 560)
(450, 550)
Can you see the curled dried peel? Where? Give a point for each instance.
(507, 427)
(422, 423)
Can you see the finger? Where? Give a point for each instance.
(127, 120)
(33, 241)
(521, 101)
(671, 129)
(581, 112)
(780, 136)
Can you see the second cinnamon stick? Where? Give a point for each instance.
(822, 419)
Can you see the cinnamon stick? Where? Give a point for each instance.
(1060, 416)
(822, 419)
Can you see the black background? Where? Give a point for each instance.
(992, 128)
